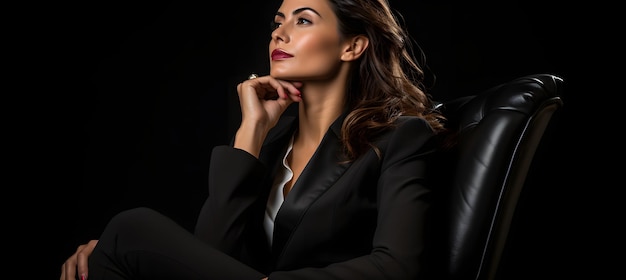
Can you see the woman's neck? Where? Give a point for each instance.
(320, 107)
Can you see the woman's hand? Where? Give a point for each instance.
(262, 100)
(77, 263)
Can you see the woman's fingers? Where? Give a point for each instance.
(83, 258)
(264, 99)
(268, 88)
(293, 88)
(77, 264)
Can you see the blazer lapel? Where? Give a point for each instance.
(278, 139)
(322, 171)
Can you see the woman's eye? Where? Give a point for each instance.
(274, 25)
(303, 21)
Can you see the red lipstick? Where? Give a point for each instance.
(279, 54)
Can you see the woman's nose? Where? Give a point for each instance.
(280, 34)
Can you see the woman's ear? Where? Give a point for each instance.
(355, 47)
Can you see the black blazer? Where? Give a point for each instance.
(359, 220)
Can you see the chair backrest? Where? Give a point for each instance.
(495, 135)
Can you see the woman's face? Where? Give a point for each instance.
(305, 44)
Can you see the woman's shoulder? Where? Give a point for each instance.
(412, 122)
(407, 129)
(409, 136)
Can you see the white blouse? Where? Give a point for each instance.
(276, 197)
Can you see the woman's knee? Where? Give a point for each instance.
(135, 219)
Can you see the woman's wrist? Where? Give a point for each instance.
(250, 138)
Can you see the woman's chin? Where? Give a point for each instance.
(286, 77)
(284, 74)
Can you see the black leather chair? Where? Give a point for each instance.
(491, 145)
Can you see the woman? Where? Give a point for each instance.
(337, 191)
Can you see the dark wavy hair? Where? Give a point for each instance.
(388, 80)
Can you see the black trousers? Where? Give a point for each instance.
(143, 244)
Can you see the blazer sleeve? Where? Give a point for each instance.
(235, 178)
(403, 198)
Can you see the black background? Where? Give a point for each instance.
(125, 101)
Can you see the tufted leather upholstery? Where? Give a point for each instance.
(494, 136)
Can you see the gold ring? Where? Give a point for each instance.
(253, 76)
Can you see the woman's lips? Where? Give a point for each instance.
(279, 54)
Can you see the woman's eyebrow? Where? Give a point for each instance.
(299, 10)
